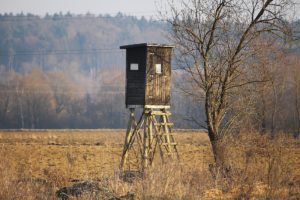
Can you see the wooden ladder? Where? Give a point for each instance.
(164, 136)
(143, 137)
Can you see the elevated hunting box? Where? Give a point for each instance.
(148, 74)
(148, 77)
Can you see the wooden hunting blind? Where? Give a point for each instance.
(148, 74)
(148, 78)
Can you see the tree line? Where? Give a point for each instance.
(66, 71)
(57, 99)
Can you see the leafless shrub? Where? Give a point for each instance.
(259, 167)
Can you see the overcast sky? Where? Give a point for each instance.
(146, 8)
(40, 7)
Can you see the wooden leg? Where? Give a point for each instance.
(148, 134)
(131, 134)
(166, 130)
(151, 141)
(128, 138)
(145, 155)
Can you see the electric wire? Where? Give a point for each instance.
(60, 52)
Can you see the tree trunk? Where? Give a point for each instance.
(217, 148)
(220, 168)
(274, 111)
(297, 132)
(263, 115)
(214, 138)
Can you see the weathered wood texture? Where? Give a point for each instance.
(135, 79)
(147, 85)
(150, 134)
(158, 84)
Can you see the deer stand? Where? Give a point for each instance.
(151, 133)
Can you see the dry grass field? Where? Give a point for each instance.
(35, 164)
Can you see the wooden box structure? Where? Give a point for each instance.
(148, 74)
(148, 79)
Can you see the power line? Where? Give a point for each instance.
(20, 92)
(61, 52)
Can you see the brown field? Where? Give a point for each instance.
(35, 164)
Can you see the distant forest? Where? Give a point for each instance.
(67, 71)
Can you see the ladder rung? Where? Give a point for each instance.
(160, 113)
(161, 124)
(172, 144)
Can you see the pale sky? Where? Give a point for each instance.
(40, 7)
(146, 8)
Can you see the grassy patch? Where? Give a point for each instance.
(35, 164)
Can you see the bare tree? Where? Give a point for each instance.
(35, 93)
(6, 96)
(295, 92)
(64, 90)
(215, 40)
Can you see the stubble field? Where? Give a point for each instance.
(35, 164)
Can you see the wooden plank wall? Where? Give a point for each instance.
(135, 80)
(158, 85)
